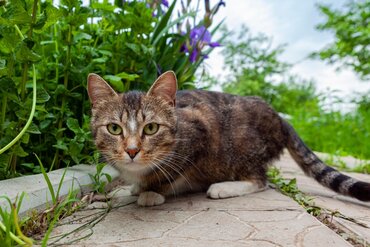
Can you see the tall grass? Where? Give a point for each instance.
(335, 132)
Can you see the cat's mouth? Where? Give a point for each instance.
(135, 166)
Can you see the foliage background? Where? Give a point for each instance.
(258, 70)
(129, 43)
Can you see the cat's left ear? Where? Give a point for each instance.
(165, 87)
(98, 89)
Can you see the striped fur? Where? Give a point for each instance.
(204, 138)
(325, 175)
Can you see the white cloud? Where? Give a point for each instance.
(293, 23)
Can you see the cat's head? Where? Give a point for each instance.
(133, 130)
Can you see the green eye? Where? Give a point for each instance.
(114, 129)
(151, 128)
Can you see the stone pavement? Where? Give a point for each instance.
(325, 198)
(266, 218)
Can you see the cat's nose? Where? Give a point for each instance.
(132, 152)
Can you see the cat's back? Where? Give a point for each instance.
(231, 116)
(200, 99)
(227, 126)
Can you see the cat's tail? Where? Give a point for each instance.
(325, 175)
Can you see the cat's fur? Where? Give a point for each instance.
(206, 141)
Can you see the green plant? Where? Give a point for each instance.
(289, 187)
(127, 42)
(351, 44)
(97, 178)
(10, 233)
(257, 70)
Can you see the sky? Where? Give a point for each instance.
(290, 22)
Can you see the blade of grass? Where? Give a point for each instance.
(164, 20)
(47, 179)
(166, 28)
(61, 182)
(28, 241)
(7, 220)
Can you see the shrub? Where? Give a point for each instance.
(129, 43)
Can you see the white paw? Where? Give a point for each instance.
(150, 198)
(232, 189)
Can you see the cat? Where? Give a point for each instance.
(167, 142)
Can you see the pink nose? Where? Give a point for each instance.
(132, 152)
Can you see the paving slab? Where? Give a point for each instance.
(325, 198)
(37, 191)
(266, 218)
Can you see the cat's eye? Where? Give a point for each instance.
(114, 129)
(151, 128)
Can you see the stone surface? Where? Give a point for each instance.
(263, 219)
(327, 199)
(36, 189)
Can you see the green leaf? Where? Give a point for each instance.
(70, 3)
(33, 129)
(18, 150)
(24, 54)
(163, 22)
(61, 145)
(25, 138)
(44, 124)
(73, 125)
(47, 179)
(134, 47)
(109, 177)
(40, 21)
(128, 77)
(78, 36)
(28, 165)
(42, 95)
(74, 150)
(115, 82)
(2, 63)
(99, 168)
(15, 14)
(104, 6)
(100, 60)
(53, 15)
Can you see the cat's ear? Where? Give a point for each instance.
(165, 87)
(98, 88)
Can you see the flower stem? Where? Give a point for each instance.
(64, 99)
(29, 121)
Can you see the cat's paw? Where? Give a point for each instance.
(150, 198)
(220, 190)
(232, 189)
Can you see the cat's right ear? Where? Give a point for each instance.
(98, 89)
(165, 87)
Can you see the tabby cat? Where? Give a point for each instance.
(166, 142)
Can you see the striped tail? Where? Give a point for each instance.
(325, 175)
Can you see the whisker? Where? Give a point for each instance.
(166, 174)
(173, 166)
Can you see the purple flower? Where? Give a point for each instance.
(198, 34)
(165, 3)
(193, 56)
(221, 3)
(199, 37)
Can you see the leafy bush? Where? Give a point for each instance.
(351, 45)
(129, 42)
(257, 70)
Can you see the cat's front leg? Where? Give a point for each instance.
(150, 198)
(135, 189)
